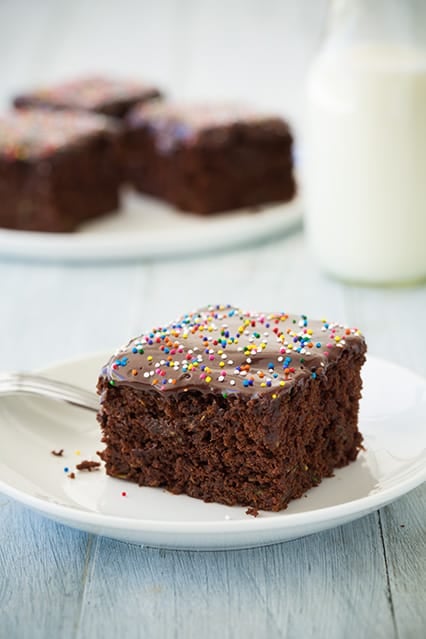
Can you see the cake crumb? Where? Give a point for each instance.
(71, 475)
(57, 453)
(252, 511)
(88, 465)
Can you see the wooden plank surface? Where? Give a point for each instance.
(43, 569)
(403, 530)
(58, 582)
(297, 589)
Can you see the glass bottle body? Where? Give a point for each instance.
(365, 147)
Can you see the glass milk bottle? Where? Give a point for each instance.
(365, 143)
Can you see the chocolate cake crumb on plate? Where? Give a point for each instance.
(88, 465)
(234, 407)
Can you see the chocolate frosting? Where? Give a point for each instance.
(90, 92)
(35, 133)
(174, 124)
(222, 349)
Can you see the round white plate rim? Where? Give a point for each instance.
(208, 233)
(354, 508)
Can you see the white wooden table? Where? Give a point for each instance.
(366, 579)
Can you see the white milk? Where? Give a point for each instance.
(365, 163)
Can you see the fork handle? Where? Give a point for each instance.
(29, 384)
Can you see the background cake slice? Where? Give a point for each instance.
(207, 158)
(109, 96)
(57, 169)
(234, 407)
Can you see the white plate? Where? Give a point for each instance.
(393, 417)
(147, 228)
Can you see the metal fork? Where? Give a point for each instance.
(29, 384)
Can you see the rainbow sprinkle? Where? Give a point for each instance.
(223, 348)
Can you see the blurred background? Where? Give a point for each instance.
(245, 49)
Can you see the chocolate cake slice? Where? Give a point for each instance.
(208, 158)
(57, 169)
(109, 96)
(233, 407)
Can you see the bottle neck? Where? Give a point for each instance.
(397, 22)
